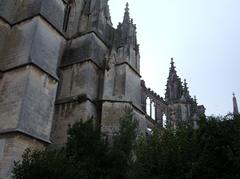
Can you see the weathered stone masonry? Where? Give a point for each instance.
(61, 61)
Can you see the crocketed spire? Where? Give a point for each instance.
(126, 18)
(174, 89)
(127, 31)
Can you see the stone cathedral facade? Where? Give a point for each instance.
(61, 61)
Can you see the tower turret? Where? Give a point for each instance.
(127, 31)
(122, 80)
(174, 89)
(235, 106)
(126, 42)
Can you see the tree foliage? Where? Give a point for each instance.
(87, 154)
(124, 143)
(210, 151)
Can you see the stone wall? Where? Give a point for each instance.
(31, 47)
(11, 145)
(67, 114)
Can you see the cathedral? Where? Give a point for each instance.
(62, 61)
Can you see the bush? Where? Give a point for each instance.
(87, 155)
(210, 151)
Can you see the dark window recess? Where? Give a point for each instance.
(66, 17)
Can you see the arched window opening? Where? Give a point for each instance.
(164, 119)
(153, 111)
(148, 106)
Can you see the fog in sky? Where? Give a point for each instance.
(203, 37)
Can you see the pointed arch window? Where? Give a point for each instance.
(148, 106)
(153, 115)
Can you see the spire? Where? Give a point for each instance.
(107, 13)
(127, 30)
(185, 89)
(172, 71)
(174, 89)
(172, 62)
(185, 84)
(235, 106)
(172, 67)
(126, 18)
(195, 99)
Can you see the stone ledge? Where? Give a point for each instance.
(17, 130)
(122, 101)
(55, 77)
(75, 36)
(75, 99)
(30, 18)
(80, 62)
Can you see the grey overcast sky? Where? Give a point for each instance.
(203, 37)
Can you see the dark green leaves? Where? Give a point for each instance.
(210, 151)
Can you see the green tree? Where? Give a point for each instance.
(87, 150)
(84, 157)
(218, 154)
(210, 151)
(41, 164)
(181, 152)
(87, 154)
(121, 155)
(167, 153)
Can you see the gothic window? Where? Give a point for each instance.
(150, 108)
(153, 115)
(148, 103)
(164, 119)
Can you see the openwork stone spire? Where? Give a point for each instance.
(127, 31)
(235, 106)
(174, 89)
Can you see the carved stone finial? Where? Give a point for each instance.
(195, 99)
(235, 106)
(126, 14)
(127, 6)
(172, 63)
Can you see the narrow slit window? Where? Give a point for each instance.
(148, 106)
(66, 17)
(153, 111)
